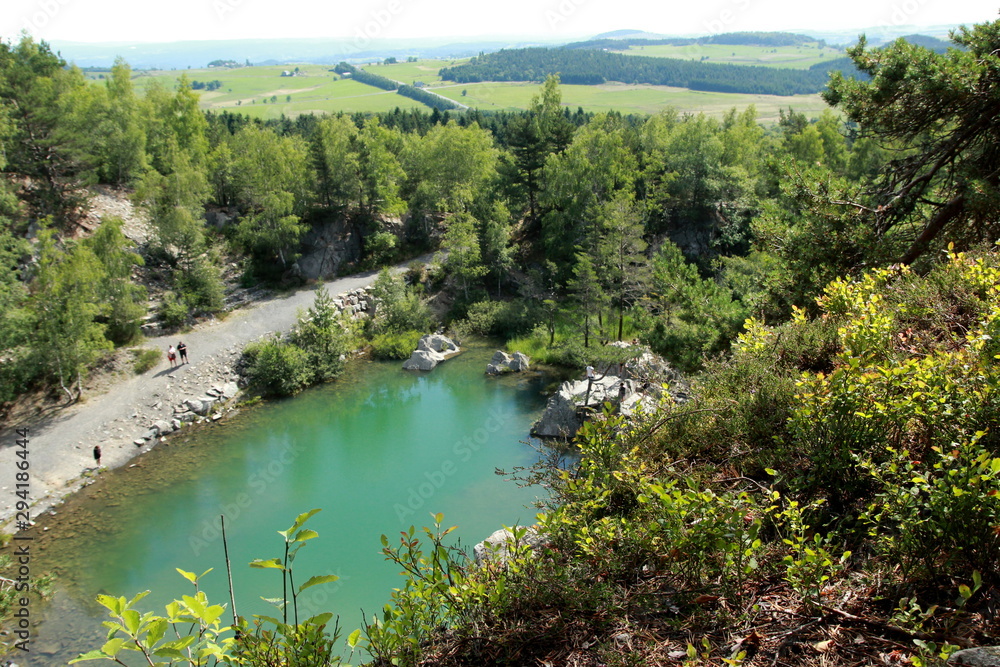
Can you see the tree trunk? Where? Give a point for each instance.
(944, 215)
(621, 319)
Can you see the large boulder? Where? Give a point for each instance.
(497, 546)
(563, 418)
(519, 362)
(431, 350)
(506, 363)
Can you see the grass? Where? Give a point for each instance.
(144, 359)
(261, 92)
(789, 57)
(422, 70)
(630, 98)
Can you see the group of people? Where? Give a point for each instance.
(172, 353)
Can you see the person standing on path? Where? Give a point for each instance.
(183, 349)
(172, 356)
(97, 455)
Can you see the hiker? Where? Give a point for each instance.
(172, 356)
(97, 455)
(183, 349)
(621, 392)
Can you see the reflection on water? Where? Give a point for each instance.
(378, 450)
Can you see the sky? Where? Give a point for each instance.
(181, 20)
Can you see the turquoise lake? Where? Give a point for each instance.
(377, 451)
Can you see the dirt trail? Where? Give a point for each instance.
(61, 445)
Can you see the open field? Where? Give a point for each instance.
(628, 98)
(261, 92)
(422, 70)
(790, 57)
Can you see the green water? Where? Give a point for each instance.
(378, 450)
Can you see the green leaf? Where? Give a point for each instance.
(111, 647)
(156, 630)
(319, 619)
(131, 619)
(205, 572)
(352, 639)
(273, 563)
(138, 596)
(187, 575)
(318, 579)
(89, 655)
(299, 520)
(305, 534)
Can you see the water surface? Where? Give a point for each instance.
(378, 450)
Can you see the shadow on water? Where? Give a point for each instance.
(378, 450)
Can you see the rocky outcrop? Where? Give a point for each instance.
(506, 363)
(431, 350)
(497, 547)
(326, 247)
(566, 409)
(633, 384)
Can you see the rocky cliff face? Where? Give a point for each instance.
(327, 247)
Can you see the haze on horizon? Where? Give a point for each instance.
(99, 21)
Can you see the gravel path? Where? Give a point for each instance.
(61, 445)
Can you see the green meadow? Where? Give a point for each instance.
(626, 98)
(788, 57)
(422, 70)
(262, 92)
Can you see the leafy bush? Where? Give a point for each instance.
(173, 311)
(398, 308)
(277, 367)
(381, 248)
(193, 632)
(504, 319)
(325, 336)
(144, 359)
(201, 286)
(392, 346)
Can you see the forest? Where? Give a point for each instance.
(593, 66)
(831, 287)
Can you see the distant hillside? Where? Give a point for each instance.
(591, 67)
(933, 43)
(628, 34)
(621, 39)
(179, 55)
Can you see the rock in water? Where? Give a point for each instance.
(505, 363)
(431, 350)
(561, 418)
(499, 363)
(520, 362)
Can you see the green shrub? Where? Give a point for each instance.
(398, 308)
(504, 319)
(381, 248)
(201, 286)
(277, 367)
(324, 336)
(392, 346)
(144, 359)
(173, 311)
